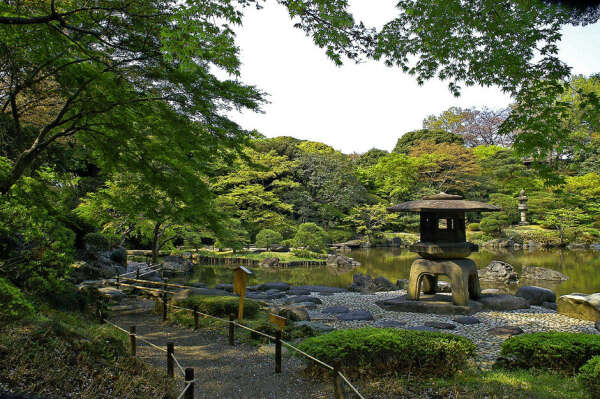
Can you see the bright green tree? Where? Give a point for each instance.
(370, 220)
(232, 235)
(437, 136)
(267, 238)
(310, 236)
(565, 221)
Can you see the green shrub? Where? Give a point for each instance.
(289, 332)
(560, 351)
(305, 253)
(97, 242)
(311, 237)
(14, 305)
(387, 351)
(589, 376)
(220, 305)
(119, 255)
(473, 227)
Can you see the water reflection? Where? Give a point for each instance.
(394, 263)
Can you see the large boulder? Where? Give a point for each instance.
(303, 298)
(499, 271)
(341, 261)
(503, 302)
(274, 285)
(177, 263)
(270, 262)
(365, 283)
(541, 273)
(536, 295)
(580, 306)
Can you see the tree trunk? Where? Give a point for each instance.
(21, 164)
(155, 239)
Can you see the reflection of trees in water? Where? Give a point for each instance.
(394, 263)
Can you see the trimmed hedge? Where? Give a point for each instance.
(220, 305)
(373, 351)
(560, 351)
(473, 227)
(589, 376)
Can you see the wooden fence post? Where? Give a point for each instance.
(117, 277)
(137, 273)
(165, 306)
(195, 317)
(132, 340)
(189, 376)
(170, 362)
(278, 351)
(337, 380)
(231, 329)
(100, 310)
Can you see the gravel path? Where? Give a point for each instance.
(241, 371)
(534, 319)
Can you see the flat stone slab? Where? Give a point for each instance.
(388, 323)
(319, 327)
(440, 325)
(304, 298)
(437, 304)
(466, 320)
(503, 302)
(297, 291)
(276, 285)
(505, 331)
(355, 315)
(335, 309)
(224, 287)
(320, 288)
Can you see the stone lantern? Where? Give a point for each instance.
(443, 246)
(523, 208)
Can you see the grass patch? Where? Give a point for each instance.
(68, 355)
(475, 384)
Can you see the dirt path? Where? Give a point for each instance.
(241, 371)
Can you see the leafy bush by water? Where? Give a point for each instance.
(589, 376)
(560, 351)
(220, 305)
(386, 351)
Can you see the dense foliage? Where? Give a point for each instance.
(564, 352)
(220, 305)
(387, 351)
(589, 376)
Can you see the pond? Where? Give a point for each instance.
(582, 268)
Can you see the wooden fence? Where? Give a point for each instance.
(338, 379)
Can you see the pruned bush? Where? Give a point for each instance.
(560, 351)
(473, 227)
(385, 351)
(305, 253)
(14, 304)
(220, 305)
(589, 376)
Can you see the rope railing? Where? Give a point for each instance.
(232, 322)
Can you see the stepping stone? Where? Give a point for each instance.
(303, 298)
(297, 291)
(307, 305)
(320, 288)
(272, 291)
(420, 328)
(355, 315)
(549, 305)
(388, 323)
(468, 320)
(503, 302)
(316, 326)
(336, 309)
(276, 285)
(224, 287)
(505, 331)
(440, 325)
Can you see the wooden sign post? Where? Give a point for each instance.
(240, 281)
(279, 321)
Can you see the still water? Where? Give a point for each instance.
(582, 268)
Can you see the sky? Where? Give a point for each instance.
(354, 108)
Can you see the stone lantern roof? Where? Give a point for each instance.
(443, 202)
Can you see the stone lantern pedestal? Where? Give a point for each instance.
(443, 249)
